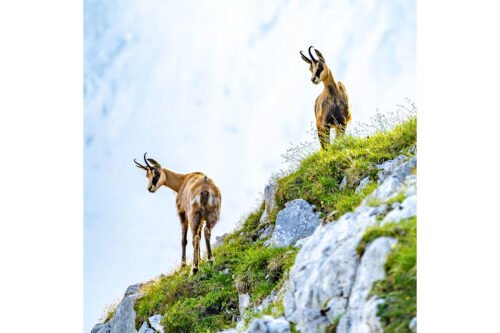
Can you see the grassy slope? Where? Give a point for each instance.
(209, 300)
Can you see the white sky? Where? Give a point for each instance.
(217, 87)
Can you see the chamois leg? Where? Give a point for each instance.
(340, 131)
(196, 231)
(324, 136)
(199, 241)
(208, 231)
(184, 226)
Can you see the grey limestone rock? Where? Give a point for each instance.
(388, 167)
(362, 185)
(123, 320)
(268, 231)
(325, 268)
(361, 313)
(269, 202)
(101, 328)
(268, 300)
(244, 302)
(268, 324)
(133, 289)
(219, 240)
(413, 324)
(301, 242)
(155, 322)
(343, 183)
(296, 221)
(399, 180)
(407, 209)
(146, 329)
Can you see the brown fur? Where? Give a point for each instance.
(332, 108)
(198, 202)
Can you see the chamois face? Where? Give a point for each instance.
(154, 174)
(317, 67)
(155, 178)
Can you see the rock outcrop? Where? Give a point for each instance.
(270, 202)
(328, 281)
(296, 221)
(123, 320)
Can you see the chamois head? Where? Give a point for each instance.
(153, 172)
(317, 67)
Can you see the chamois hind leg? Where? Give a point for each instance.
(324, 135)
(184, 226)
(340, 131)
(195, 224)
(211, 220)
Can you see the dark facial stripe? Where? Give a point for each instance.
(319, 69)
(156, 177)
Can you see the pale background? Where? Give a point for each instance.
(41, 136)
(217, 87)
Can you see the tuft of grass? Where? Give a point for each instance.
(109, 312)
(317, 179)
(399, 288)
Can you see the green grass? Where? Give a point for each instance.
(109, 312)
(208, 301)
(318, 177)
(399, 288)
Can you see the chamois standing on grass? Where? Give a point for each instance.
(332, 107)
(198, 200)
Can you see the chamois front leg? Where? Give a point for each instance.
(195, 224)
(323, 135)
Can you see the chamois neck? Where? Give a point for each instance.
(329, 83)
(173, 180)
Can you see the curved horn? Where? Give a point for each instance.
(306, 59)
(140, 165)
(310, 54)
(145, 160)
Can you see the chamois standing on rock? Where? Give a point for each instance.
(332, 107)
(198, 200)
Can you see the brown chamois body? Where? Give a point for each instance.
(332, 108)
(198, 202)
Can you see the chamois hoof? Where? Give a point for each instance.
(193, 271)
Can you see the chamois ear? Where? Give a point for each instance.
(320, 56)
(156, 164)
(305, 58)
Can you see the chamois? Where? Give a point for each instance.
(332, 107)
(198, 200)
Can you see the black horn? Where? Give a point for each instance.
(145, 160)
(310, 54)
(306, 59)
(140, 165)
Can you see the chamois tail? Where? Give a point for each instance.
(205, 194)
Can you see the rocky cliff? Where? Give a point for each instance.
(332, 248)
